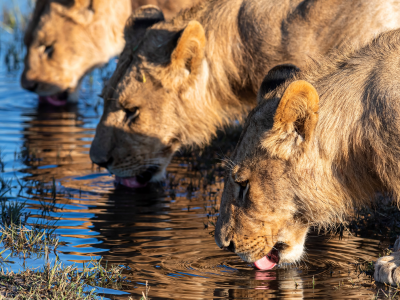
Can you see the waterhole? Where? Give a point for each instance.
(162, 234)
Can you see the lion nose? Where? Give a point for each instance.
(29, 85)
(104, 164)
(230, 248)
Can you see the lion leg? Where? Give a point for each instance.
(387, 268)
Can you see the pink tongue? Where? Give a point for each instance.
(130, 182)
(264, 263)
(53, 100)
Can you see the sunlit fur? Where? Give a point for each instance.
(352, 150)
(84, 33)
(184, 104)
(387, 269)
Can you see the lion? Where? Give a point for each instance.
(324, 141)
(387, 268)
(177, 82)
(66, 39)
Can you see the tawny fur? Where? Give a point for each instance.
(84, 34)
(352, 150)
(185, 105)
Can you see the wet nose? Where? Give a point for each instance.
(104, 164)
(29, 85)
(230, 248)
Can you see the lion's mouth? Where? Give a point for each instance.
(268, 261)
(272, 258)
(138, 181)
(59, 99)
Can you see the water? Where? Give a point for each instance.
(159, 233)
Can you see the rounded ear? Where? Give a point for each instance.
(189, 51)
(294, 122)
(141, 19)
(275, 77)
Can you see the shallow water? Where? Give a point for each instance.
(159, 232)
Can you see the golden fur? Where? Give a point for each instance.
(66, 39)
(322, 143)
(202, 70)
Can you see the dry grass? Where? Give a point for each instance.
(58, 281)
(20, 237)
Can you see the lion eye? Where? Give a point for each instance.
(244, 186)
(131, 114)
(48, 50)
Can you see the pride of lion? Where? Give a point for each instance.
(66, 39)
(322, 140)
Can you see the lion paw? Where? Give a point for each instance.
(387, 268)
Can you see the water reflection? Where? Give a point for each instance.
(55, 143)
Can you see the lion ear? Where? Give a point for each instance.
(275, 77)
(189, 51)
(294, 122)
(79, 11)
(141, 19)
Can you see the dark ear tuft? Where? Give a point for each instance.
(275, 77)
(141, 19)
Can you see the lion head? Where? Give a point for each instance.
(147, 115)
(66, 39)
(264, 218)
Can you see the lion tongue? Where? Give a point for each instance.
(265, 263)
(53, 100)
(130, 182)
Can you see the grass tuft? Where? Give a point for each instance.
(24, 241)
(58, 281)
(21, 238)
